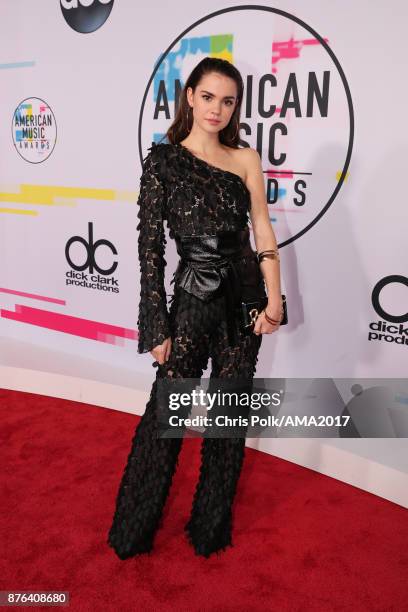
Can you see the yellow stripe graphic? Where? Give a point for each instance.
(16, 211)
(56, 195)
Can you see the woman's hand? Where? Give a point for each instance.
(274, 310)
(161, 352)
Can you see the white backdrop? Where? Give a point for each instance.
(82, 76)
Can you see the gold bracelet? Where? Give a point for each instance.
(271, 253)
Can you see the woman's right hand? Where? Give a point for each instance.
(161, 352)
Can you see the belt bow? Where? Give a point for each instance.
(208, 264)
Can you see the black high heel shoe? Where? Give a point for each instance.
(124, 548)
(207, 539)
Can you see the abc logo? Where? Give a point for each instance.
(86, 15)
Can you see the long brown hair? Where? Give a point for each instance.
(183, 120)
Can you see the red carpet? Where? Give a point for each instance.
(302, 541)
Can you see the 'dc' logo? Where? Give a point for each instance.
(90, 248)
(375, 298)
(86, 16)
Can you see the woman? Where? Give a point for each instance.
(204, 186)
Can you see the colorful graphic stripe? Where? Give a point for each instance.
(290, 49)
(76, 326)
(11, 65)
(33, 296)
(170, 70)
(58, 195)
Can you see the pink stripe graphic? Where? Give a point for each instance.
(94, 330)
(280, 174)
(34, 296)
(290, 49)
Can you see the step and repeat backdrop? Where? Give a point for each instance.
(88, 85)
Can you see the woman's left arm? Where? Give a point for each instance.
(263, 233)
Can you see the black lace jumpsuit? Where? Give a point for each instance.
(195, 198)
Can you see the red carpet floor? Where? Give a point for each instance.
(302, 541)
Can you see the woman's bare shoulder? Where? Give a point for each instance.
(247, 154)
(246, 158)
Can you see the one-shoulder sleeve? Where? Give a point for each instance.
(153, 323)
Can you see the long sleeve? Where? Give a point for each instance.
(153, 322)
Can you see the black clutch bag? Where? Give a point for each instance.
(250, 311)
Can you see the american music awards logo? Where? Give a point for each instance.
(34, 130)
(297, 109)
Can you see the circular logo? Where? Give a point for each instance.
(375, 298)
(34, 130)
(86, 16)
(297, 110)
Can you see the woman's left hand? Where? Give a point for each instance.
(275, 311)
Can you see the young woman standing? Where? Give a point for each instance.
(205, 187)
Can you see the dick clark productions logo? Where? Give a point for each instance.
(83, 274)
(392, 328)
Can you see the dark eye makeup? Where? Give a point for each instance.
(228, 102)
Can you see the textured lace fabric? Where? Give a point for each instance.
(195, 198)
(199, 330)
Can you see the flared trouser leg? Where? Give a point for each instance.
(144, 486)
(210, 525)
(198, 330)
(152, 460)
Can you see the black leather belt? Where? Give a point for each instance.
(208, 264)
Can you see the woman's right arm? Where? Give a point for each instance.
(153, 320)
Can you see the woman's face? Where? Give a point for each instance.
(213, 101)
